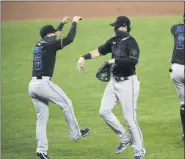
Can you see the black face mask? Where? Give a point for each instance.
(118, 32)
(121, 33)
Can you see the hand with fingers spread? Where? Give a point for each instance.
(80, 63)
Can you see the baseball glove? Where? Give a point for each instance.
(104, 72)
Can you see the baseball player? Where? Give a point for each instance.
(177, 68)
(123, 85)
(42, 90)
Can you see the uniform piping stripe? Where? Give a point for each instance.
(133, 112)
(133, 57)
(66, 103)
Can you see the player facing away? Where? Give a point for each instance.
(177, 68)
(123, 86)
(42, 90)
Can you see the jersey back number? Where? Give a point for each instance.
(180, 41)
(37, 63)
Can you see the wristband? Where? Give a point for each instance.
(87, 56)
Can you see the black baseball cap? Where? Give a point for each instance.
(121, 21)
(47, 29)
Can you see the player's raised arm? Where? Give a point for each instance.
(72, 33)
(61, 43)
(61, 25)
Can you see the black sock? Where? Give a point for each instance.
(182, 118)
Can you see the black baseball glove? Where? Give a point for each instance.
(104, 72)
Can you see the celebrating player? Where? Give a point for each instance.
(177, 69)
(123, 86)
(42, 90)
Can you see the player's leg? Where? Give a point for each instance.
(58, 97)
(42, 110)
(127, 93)
(177, 76)
(108, 102)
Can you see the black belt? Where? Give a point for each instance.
(120, 78)
(40, 77)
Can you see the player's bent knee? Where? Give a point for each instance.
(103, 113)
(66, 108)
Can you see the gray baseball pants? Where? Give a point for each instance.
(42, 91)
(177, 76)
(126, 92)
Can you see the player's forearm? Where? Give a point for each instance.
(60, 27)
(126, 61)
(71, 35)
(91, 55)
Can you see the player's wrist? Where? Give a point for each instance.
(87, 56)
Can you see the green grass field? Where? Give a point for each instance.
(158, 105)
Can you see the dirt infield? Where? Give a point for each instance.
(56, 10)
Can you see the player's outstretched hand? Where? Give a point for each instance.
(66, 20)
(77, 19)
(80, 63)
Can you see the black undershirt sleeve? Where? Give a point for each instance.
(60, 27)
(71, 35)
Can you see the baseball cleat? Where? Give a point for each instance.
(85, 132)
(142, 156)
(122, 147)
(42, 155)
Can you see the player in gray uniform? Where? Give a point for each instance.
(123, 87)
(177, 68)
(42, 90)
